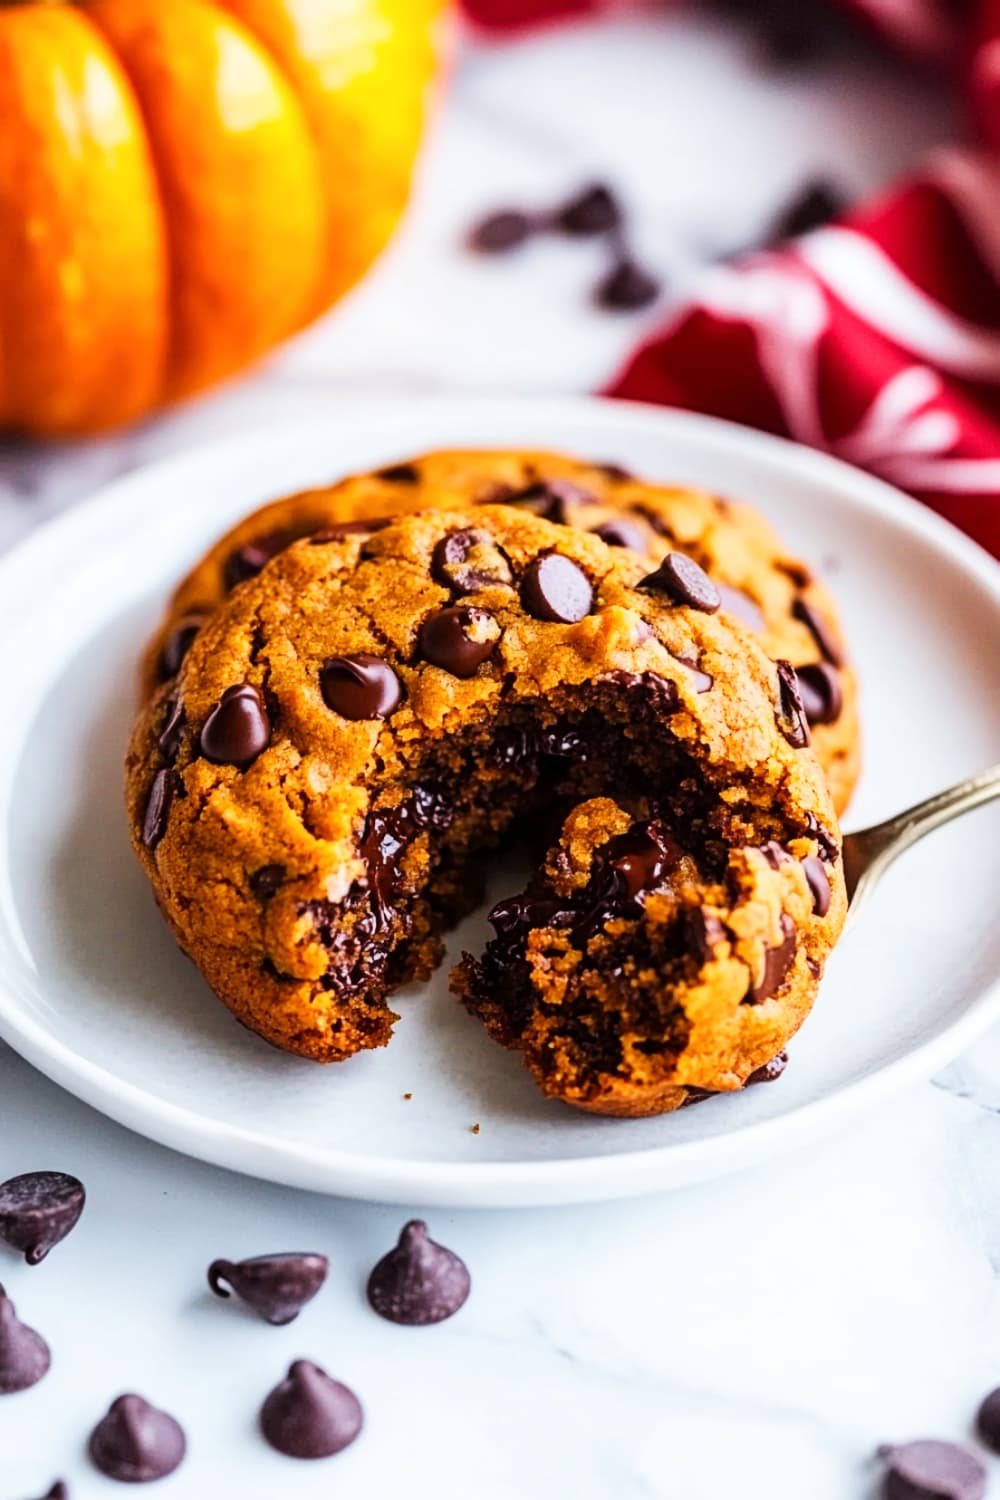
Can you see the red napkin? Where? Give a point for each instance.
(878, 338)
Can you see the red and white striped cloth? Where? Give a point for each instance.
(878, 337)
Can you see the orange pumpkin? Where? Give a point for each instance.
(183, 183)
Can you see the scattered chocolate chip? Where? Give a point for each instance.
(932, 1470)
(703, 932)
(770, 1072)
(172, 732)
(791, 716)
(310, 1415)
(275, 1286)
(58, 1491)
(265, 881)
(469, 560)
(556, 588)
(344, 529)
(737, 603)
(238, 729)
(179, 643)
(988, 1421)
(819, 884)
(37, 1210)
(499, 232)
(622, 533)
(777, 962)
(820, 691)
(419, 1281)
(626, 287)
(552, 499)
(399, 474)
(24, 1354)
(683, 581)
(819, 627)
(247, 561)
(135, 1443)
(166, 787)
(360, 686)
(814, 205)
(594, 210)
(459, 640)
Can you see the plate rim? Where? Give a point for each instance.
(446, 1183)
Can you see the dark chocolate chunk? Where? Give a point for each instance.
(469, 560)
(37, 1210)
(24, 1354)
(556, 588)
(769, 1072)
(552, 499)
(501, 231)
(166, 787)
(459, 639)
(247, 561)
(641, 858)
(419, 1281)
(932, 1470)
(683, 581)
(179, 643)
(238, 729)
(594, 210)
(265, 881)
(310, 1415)
(819, 884)
(400, 474)
(172, 732)
(275, 1286)
(814, 205)
(819, 627)
(344, 529)
(821, 693)
(622, 533)
(703, 932)
(777, 962)
(988, 1421)
(360, 686)
(737, 603)
(626, 287)
(829, 848)
(791, 716)
(135, 1443)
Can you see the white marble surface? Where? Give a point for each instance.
(755, 1337)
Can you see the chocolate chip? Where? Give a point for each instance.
(552, 499)
(820, 629)
(932, 1470)
(166, 788)
(777, 962)
(360, 686)
(310, 1415)
(622, 533)
(399, 474)
(791, 716)
(24, 1354)
(172, 732)
(344, 529)
(641, 858)
(265, 881)
(247, 561)
(737, 603)
(988, 1421)
(616, 473)
(626, 287)
(775, 854)
(821, 693)
(703, 681)
(501, 231)
(135, 1443)
(238, 729)
(459, 640)
(829, 848)
(703, 932)
(770, 1072)
(419, 1281)
(555, 588)
(594, 210)
(37, 1210)
(179, 643)
(469, 560)
(819, 883)
(275, 1286)
(58, 1491)
(683, 581)
(815, 204)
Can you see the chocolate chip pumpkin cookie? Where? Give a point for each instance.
(355, 727)
(760, 583)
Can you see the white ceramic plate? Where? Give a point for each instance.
(94, 993)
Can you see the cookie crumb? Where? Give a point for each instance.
(407, 1096)
(475, 1129)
